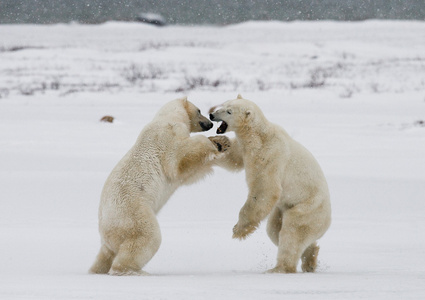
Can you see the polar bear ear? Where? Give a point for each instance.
(239, 96)
(185, 103)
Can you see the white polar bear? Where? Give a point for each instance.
(164, 157)
(285, 183)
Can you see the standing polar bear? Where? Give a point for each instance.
(285, 183)
(164, 157)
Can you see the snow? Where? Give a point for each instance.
(352, 93)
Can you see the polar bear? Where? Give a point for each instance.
(164, 157)
(285, 183)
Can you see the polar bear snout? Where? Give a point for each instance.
(207, 125)
(214, 117)
(200, 123)
(223, 127)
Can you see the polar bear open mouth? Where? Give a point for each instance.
(222, 129)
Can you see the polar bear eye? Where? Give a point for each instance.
(229, 111)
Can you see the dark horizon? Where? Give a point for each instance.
(219, 12)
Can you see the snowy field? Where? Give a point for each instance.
(352, 93)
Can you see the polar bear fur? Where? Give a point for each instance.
(163, 158)
(285, 183)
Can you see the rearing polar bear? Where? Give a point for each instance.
(285, 183)
(164, 157)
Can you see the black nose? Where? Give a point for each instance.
(211, 117)
(206, 126)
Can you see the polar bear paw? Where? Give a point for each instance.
(127, 272)
(241, 232)
(222, 143)
(282, 270)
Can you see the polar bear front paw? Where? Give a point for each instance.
(241, 232)
(222, 143)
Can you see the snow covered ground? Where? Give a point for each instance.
(352, 93)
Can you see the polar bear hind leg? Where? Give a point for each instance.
(274, 225)
(103, 261)
(309, 258)
(138, 248)
(294, 239)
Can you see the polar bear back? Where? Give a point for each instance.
(303, 172)
(140, 176)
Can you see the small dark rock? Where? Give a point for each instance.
(419, 123)
(108, 119)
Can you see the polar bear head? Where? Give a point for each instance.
(198, 122)
(236, 115)
(186, 112)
